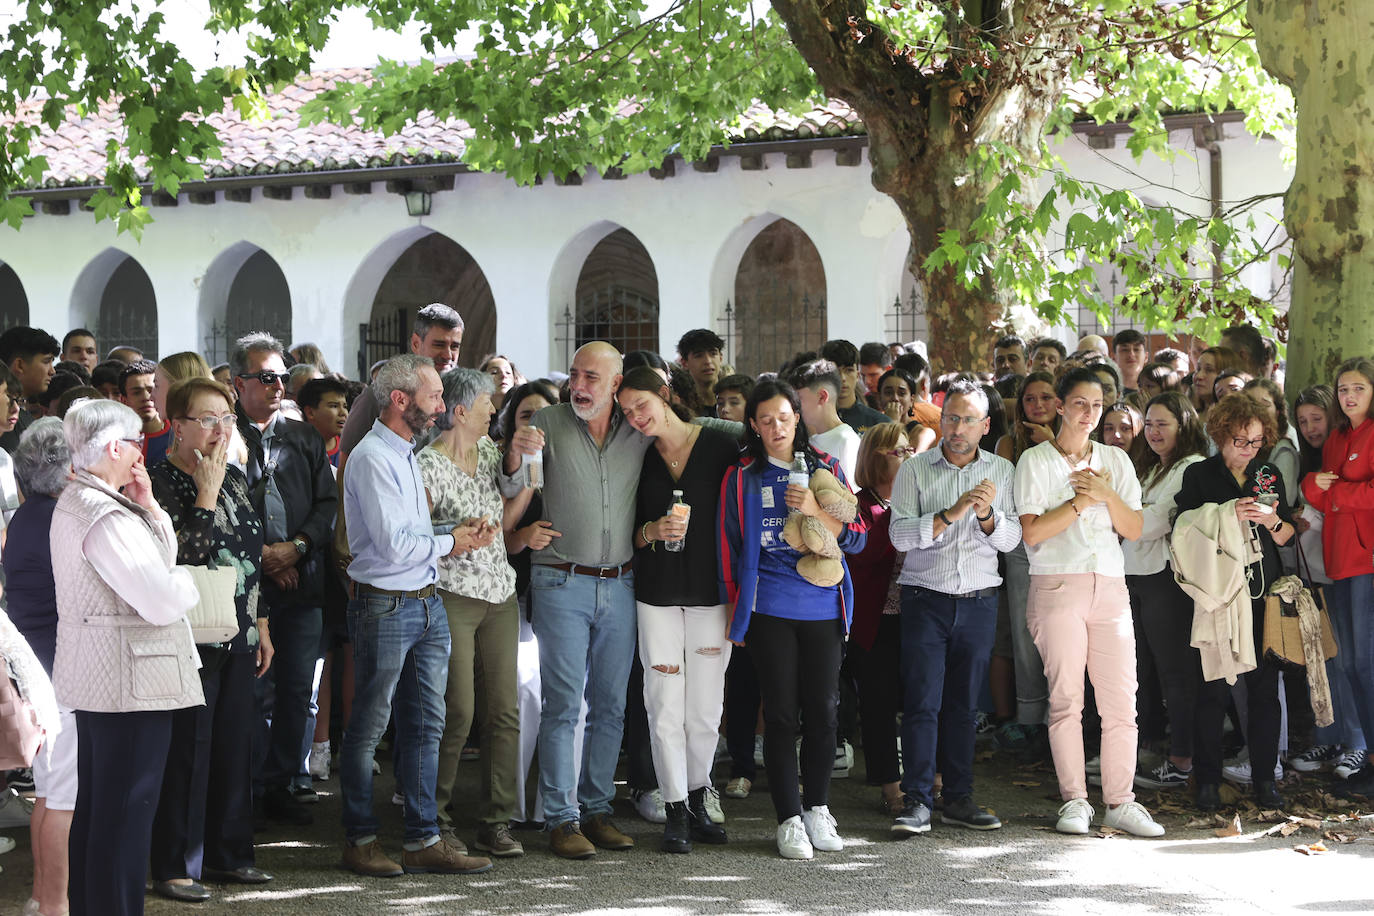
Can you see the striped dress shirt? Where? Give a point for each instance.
(963, 558)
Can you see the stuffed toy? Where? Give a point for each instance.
(822, 564)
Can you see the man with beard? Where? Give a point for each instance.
(292, 487)
(398, 626)
(438, 335)
(952, 512)
(582, 594)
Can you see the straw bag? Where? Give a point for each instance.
(214, 618)
(1283, 626)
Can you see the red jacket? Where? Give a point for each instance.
(1348, 507)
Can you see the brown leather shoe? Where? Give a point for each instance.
(496, 840)
(601, 831)
(369, 860)
(451, 837)
(567, 841)
(442, 859)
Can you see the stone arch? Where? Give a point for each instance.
(777, 294)
(616, 295)
(244, 290)
(114, 297)
(407, 271)
(14, 302)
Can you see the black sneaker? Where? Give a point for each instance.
(280, 805)
(964, 813)
(915, 818)
(1164, 776)
(306, 795)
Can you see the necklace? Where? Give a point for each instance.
(686, 446)
(1074, 460)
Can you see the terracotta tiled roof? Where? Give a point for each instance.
(278, 143)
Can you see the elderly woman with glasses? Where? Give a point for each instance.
(1241, 474)
(204, 825)
(125, 658)
(459, 470)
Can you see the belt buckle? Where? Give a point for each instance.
(604, 572)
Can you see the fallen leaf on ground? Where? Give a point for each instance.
(1199, 822)
(1104, 833)
(1231, 829)
(1314, 849)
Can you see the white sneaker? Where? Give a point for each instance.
(319, 760)
(649, 805)
(398, 799)
(6, 845)
(15, 809)
(1315, 757)
(712, 800)
(844, 759)
(1132, 818)
(820, 827)
(758, 750)
(1351, 762)
(1075, 816)
(792, 840)
(1240, 773)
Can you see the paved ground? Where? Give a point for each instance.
(1025, 868)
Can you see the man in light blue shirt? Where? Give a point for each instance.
(398, 626)
(952, 512)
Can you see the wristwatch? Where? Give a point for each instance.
(302, 548)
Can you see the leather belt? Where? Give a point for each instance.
(426, 592)
(988, 592)
(599, 572)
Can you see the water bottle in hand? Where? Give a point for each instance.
(679, 510)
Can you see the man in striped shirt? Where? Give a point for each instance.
(952, 512)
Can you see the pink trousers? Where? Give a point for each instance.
(1082, 622)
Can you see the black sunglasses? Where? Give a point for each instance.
(267, 378)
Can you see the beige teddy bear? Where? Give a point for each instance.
(822, 564)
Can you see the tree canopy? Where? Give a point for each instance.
(960, 98)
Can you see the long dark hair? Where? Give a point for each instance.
(997, 413)
(1324, 398)
(540, 386)
(1020, 438)
(766, 390)
(1192, 437)
(649, 381)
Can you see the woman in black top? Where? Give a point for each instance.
(681, 618)
(204, 822)
(1242, 429)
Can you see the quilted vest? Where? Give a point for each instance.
(109, 659)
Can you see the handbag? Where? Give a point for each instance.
(214, 618)
(20, 734)
(1283, 627)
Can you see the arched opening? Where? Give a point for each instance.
(14, 302)
(779, 306)
(244, 290)
(616, 296)
(430, 268)
(113, 296)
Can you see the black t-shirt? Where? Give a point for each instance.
(859, 416)
(688, 578)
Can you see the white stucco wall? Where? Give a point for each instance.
(530, 243)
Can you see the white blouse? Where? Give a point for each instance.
(1150, 554)
(1090, 544)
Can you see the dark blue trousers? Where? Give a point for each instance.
(946, 644)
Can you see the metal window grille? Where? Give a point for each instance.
(382, 338)
(766, 329)
(627, 319)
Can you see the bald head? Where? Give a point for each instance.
(1094, 342)
(593, 379)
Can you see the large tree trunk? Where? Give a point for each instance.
(921, 129)
(1322, 51)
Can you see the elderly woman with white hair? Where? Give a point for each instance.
(42, 465)
(125, 656)
(459, 470)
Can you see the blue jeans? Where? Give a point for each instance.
(400, 649)
(586, 631)
(1351, 605)
(946, 644)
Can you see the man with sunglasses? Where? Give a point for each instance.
(952, 512)
(292, 486)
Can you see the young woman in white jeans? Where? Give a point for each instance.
(1075, 497)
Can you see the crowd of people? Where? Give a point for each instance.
(1069, 553)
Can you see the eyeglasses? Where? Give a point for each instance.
(266, 377)
(18, 403)
(904, 451)
(1248, 443)
(208, 423)
(952, 419)
(134, 440)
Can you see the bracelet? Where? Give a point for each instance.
(984, 518)
(944, 518)
(644, 533)
(1074, 506)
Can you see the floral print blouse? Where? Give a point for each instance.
(483, 574)
(231, 536)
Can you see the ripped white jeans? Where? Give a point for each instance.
(685, 654)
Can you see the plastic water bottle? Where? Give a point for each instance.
(678, 509)
(533, 468)
(799, 475)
